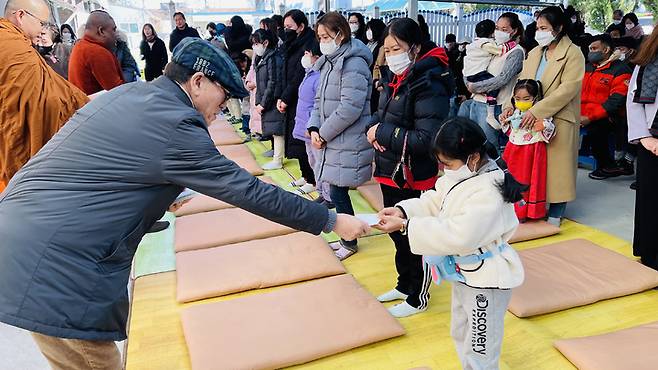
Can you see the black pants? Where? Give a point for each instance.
(646, 204)
(305, 167)
(621, 137)
(413, 279)
(598, 139)
(340, 196)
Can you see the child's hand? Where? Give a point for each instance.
(507, 113)
(390, 211)
(390, 224)
(259, 109)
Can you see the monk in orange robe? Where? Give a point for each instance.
(35, 101)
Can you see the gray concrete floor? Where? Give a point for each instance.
(606, 205)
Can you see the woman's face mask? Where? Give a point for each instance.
(399, 63)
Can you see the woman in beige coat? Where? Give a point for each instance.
(559, 64)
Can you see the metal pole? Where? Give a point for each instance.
(327, 5)
(377, 12)
(412, 9)
(460, 21)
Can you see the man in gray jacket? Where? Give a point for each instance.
(72, 218)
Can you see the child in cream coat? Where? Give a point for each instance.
(469, 217)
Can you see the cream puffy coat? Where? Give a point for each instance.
(471, 219)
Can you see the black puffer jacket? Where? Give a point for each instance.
(269, 84)
(417, 110)
(293, 76)
(237, 36)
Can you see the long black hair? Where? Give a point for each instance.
(361, 31)
(377, 27)
(68, 27)
(460, 137)
(260, 36)
(557, 19)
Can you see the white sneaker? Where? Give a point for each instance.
(299, 182)
(274, 165)
(306, 189)
(392, 295)
(404, 309)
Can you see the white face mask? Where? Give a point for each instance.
(259, 49)
(398, 63)
(369, 35)
(501, 37)
(460, 174)
(306, 62)
(616, 21)
(630, 26)
(330, 47)
(574, 19)
(354, 28)
(544, 38)
(622, 57)
(66, 37)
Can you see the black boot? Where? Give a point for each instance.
(158, 226)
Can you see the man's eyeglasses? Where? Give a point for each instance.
(226, 93)
(43, 23)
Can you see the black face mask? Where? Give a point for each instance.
(44, 50)
(290, 35)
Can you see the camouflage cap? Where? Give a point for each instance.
(201, 56)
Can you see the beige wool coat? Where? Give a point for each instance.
(562, 82)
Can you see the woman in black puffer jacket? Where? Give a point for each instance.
(237, 35)
(415, 101)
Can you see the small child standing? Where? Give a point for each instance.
(478, 57)
(243, 62)
(525, 153)
(461, 229)
(307, 91)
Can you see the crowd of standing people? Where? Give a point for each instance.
(495, 123)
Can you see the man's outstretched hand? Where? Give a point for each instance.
(349, 227)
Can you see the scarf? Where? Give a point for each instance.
(647, 83)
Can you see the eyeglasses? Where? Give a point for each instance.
(43, 23)
(226, 93)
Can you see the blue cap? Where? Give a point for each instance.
(201, 56)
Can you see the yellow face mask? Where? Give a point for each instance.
(523, 105)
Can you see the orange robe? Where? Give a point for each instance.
(35, 101)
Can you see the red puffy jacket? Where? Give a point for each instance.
(604, 90)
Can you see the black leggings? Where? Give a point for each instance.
(413, 279)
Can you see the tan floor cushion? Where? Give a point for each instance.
(241, 155)
(225, 137)
(533, 230)
(254, 264)
(288, 326)
(372, 192)
(203, 203)
(633, 348)
(226, 226)
(575, 273)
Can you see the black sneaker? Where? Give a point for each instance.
(598, 174)
(634, 185)
(621, 168)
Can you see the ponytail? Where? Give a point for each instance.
(511, 190)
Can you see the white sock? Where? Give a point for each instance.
(392, 295)
(404, 309)
(555, 221)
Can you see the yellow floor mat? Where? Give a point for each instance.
(156, 339)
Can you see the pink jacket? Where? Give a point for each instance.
(254, 120)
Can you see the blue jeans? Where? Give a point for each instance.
(477, 112)
(245, 124)
(340, 196)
